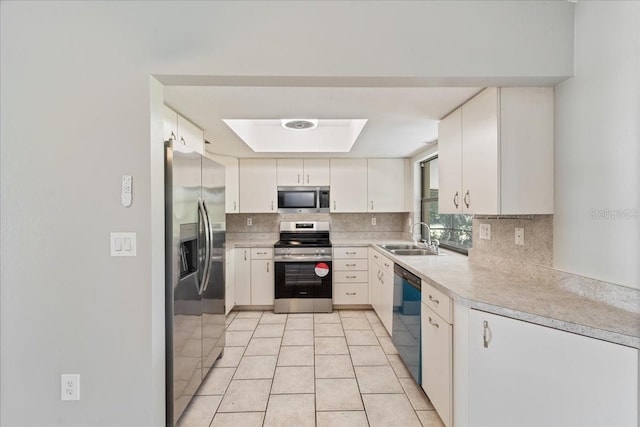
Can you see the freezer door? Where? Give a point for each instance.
(185, 258)
(213, 196)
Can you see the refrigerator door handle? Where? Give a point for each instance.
(209, 243)
(207, 246)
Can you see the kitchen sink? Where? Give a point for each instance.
(406, 246)
(408, 250)
(404, 252)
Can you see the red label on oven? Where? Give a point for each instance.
(322, 269)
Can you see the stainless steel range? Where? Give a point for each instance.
(303, 269)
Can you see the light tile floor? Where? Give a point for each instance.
(324, 370)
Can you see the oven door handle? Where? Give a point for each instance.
(293, 258)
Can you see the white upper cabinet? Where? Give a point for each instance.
(258, 186)
(450, 163)
(317, 172)
(232, 190)
(496, 154)
(348, 185)
(386, 180)
(182, 131)
(170, 119)
(300, 172)
(480, 153)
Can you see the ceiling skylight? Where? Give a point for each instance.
(270, 136)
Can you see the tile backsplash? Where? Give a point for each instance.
(343, 225)
(538, 239)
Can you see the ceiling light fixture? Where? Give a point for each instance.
(299, 124)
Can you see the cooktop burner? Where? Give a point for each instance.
(308, 234)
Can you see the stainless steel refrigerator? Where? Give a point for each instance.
(195, 239)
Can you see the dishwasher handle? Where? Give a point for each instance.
(405, 274)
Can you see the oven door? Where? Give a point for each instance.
(303, 279)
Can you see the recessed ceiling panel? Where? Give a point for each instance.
(271, 136)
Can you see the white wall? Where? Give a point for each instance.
(76, 107)
(597, 147)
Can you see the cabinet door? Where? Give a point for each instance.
(385, 185)
(232, 190)
(374, 280)
(229, 280)
(290, 172)
(538, 376)
(316, 172)
(170, 119)
(242, 276)
(190, 135)
(258, 186)
(232, 196)
(348, 185)
(437, 362)
(450, 163)
(386, 298)
(480, 178)
(262, 282)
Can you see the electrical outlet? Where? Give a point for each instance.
(485, 231)
(249, 222)
(373, 221)
(70, 387)
(519, 236)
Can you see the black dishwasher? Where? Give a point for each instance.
(407, 291)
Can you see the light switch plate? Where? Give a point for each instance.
(123, 244)
(485, 231)
(373, 221)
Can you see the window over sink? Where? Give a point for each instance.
(452, 230)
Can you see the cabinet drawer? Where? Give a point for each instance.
(382, 261)
(360, 252)
(261, 253)
(350, 293)
(350, 276)
(349, 264)
(437, 301)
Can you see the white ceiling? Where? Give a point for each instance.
(400, 119)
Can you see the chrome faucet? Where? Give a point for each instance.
(431, 244)
(413, 236)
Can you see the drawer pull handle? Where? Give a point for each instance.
(261, 253)
(351, 277)
(350, 253)
(350, 293)
(350, 265)
(432, 299)
(433, 323)
(386, 265)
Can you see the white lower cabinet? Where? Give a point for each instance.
(262, 282)
(381, 287)
(437, 362)
(229, 279)
(350, 275)
(254, 276)
(521, 374)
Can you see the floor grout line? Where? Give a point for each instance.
(314, 326)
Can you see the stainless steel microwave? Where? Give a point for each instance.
(303, 199)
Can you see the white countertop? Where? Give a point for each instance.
(479, 287)
(550, 305)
